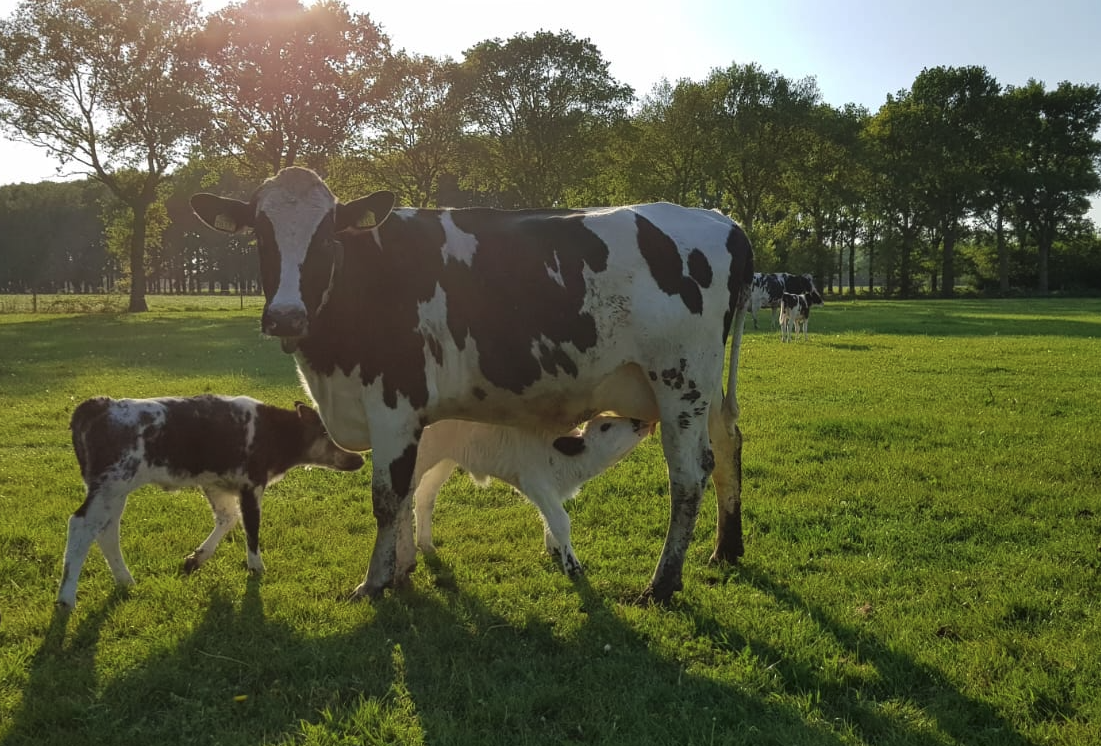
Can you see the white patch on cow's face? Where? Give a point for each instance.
(295, 204)
(457, 244)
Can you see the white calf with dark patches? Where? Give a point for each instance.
(548, 468)
(231, 448)
(794, 315)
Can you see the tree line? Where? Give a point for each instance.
(957, 180)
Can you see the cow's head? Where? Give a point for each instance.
(297, 221)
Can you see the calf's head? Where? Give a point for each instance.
(318, 449)
(297, 222)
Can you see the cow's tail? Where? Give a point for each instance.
(87, 411)
(740, 286)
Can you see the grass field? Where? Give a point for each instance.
(922, 563)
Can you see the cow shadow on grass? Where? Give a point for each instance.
(881, 683)
(424, 667)
(443, 666)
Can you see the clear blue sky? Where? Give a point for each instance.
(858, 50)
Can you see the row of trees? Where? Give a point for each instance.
(152, 100)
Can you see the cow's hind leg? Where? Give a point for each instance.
(224, 505)
(690, 459)
(726, 441)
(99, 514)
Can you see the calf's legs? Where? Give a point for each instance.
(97, 519)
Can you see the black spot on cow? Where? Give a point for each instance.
(653, 375)
(569, 445)
(480, 393)
(699, 269)
(401, 470)
(542, 311)
(666, 266)
(692, 395)
(740, 276)
(386, 287)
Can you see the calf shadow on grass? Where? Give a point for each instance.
(872, 708)
(438, 668)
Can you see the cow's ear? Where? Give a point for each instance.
(222, 213)
(365, 212)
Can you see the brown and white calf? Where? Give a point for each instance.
(231, 448)
(794, 315)
(547, 468)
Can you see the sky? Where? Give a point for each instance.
(858, 50)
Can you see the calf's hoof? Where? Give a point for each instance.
(365, 592)
(192, 562)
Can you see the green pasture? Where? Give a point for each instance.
(922, 492)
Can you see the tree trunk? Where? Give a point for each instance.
(1044, 253)
(948, 263)
(1003, 252)
(137, 259)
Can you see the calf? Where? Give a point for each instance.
(548, 468)
(767, 289)
(794, 315)
(232, 448)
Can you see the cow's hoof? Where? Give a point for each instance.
(573, 569)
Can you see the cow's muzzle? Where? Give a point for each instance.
(289, 323)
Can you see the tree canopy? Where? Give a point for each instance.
(955, 181)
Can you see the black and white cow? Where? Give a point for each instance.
(794, 315)
(232, 448)
(767, 289)
(538, 319)
(548, 468)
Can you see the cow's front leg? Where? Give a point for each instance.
(394, 555)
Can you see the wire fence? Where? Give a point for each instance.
(49, 303)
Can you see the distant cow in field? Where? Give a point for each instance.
(794, 315)
(767, 289)
(232, 448)
(537, 319)
(547, 468)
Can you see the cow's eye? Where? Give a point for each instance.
(605, 427)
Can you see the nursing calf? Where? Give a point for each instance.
(231, 448)
(548, 468)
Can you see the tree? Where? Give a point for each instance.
(757, 117)
(102, 86)
(953, 111)
(290, 84)
(675, 142)
(1059, 167)
(544, 103)
(892, 138)
(415, 133)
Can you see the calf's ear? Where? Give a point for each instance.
(365, 212)
(223, 213)
(306, 412)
